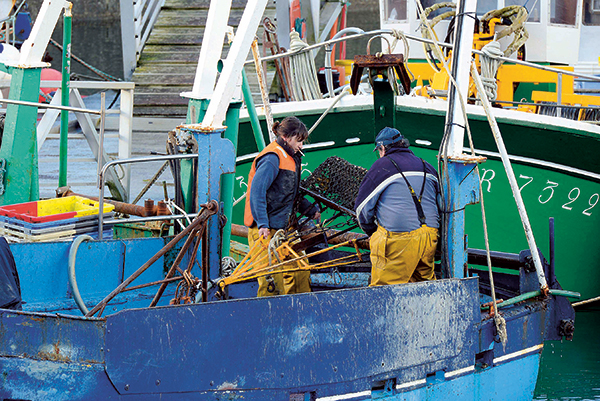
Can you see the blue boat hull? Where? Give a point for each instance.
(416, 341)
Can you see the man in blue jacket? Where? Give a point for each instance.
(397, 205)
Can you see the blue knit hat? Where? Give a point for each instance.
(387, 136)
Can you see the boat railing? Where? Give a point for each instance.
(101, 179)
(137, 20)
(356, 34)
(119, 120)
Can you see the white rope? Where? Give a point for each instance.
(398, 34)
(303, 71)
(498, 320)
(518, 15)
(275, 243)
(228, 265)
(489, 68)
(263, 90)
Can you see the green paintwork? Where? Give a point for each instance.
(524, 89)
(232, 120)
(19, 141)
(196, 110)
(256, 130)
(64, 100)
(383, 101)
(571, 198)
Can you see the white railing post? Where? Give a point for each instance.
(125, 136)
(559, 95)
(128, 38)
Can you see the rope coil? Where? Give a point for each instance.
(303, 71)
(489, 68)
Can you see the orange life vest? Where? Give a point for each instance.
(283, 190)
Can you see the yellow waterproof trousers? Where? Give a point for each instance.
(279, 283)
(398, 258)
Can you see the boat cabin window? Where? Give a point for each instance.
(534, 14)
(433, 14)
(591, 12)
(483, 6)
(395, 10)
(563, 12)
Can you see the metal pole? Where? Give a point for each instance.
(64, 115)
(100, 152)
(558, 95)
(258, 135)
(48, 106)
(232, 120)
(455, 119)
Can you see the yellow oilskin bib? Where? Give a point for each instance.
(279, 283)
(398, 258)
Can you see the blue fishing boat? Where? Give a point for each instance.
(93, 325)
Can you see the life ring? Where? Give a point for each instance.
(49, 74)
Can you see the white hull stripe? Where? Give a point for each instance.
(345, 396)
(448, 375)
(317, 145)
(534, 162)
(523, 352)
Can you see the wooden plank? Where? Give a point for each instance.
(176, 36)
(153, 89)
(187, 4)
(177, 111)
(165, 79)
(176, 18)
(167, 69)
(161, 48)
(165, 57)
(163, 100)
(170, 36)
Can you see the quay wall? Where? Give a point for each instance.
(85, 10)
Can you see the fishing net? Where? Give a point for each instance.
(337, 180)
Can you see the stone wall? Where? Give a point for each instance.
(85, 10)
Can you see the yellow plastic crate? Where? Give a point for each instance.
(54, 209)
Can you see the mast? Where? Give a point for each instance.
(460, 184)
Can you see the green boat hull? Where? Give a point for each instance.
(556, 173)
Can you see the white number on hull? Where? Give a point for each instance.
(551, 186)
(572, 199)
(527, 183)
(587, 211)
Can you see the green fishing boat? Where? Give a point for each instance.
(552, 145)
